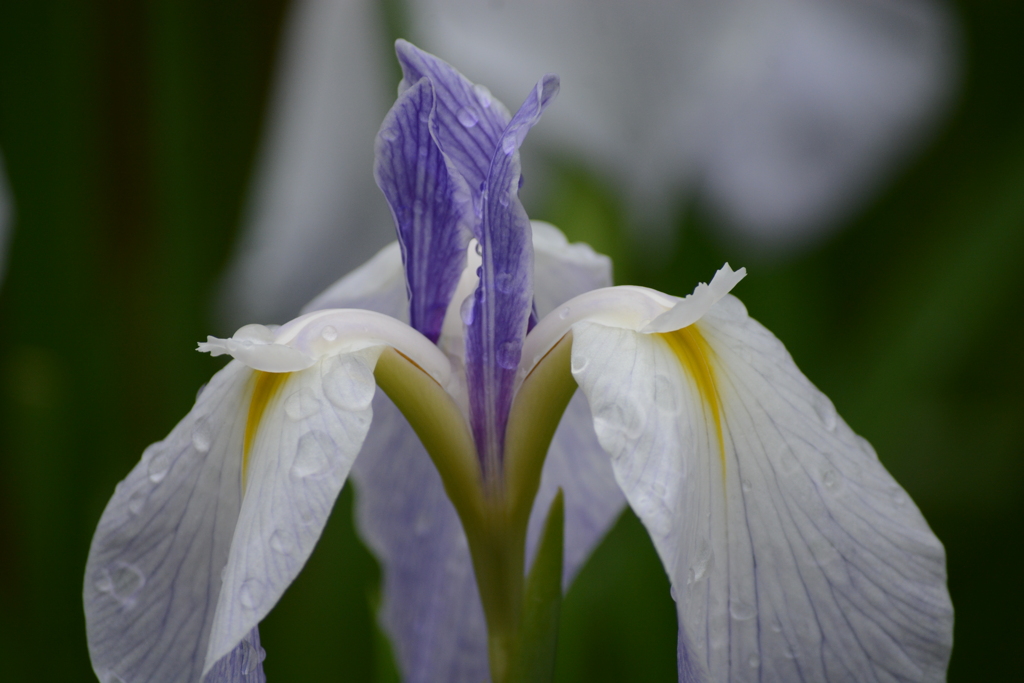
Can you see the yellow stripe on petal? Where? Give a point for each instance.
(694, 354)
(267, 386)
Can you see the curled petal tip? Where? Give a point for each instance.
(693, 307)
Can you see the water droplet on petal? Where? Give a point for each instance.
(479, 249)
(747, 486)
(301, 404)
(503, 199)
(508, 143)
(703, 562)
(564, 313)
(467, 117)
(788, 654)
(776, 627)
(282, 541)
(252, 657)
(389, 135)
(483, 95)
(828, 478)
(672, 592)
(754, 661)
(111, 677)
(467, 311)
(122, 580)
(579, 364)
(159, 464)
(899, 498)
(136, 501)
(329, 333)
(201, 436)
(349, 385)
(508, 355)
(826, 412)
(311, 454)
(742, 611)
(254, 333)
(505, 282)
(251, 593)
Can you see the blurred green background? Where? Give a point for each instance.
(129, 131)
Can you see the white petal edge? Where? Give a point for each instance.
(693, 307)
(793, 554)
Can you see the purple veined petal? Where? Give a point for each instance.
(466, 123)
(431, 606)
(244, 664)
(504, 297)
(431, 206)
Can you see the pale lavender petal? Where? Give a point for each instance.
(466, 123)
(244, 664)
(377, 285)
(431, 608)
(578, 465)
(504, 298)
(431, 206)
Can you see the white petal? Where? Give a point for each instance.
(311, 430)
(562, 270)
(377, 285)
(693, 307)
(314, 210)
(793, 554)
(153, 575)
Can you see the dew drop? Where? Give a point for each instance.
(776, 627)
(747, 486)
(503, 199)
(111, 677)
(122, 580)
(508, 355)
(704, 561)
(300, 405)
(467, 117)
(467, 311)
(899, 498)
(504, 282)
(742, 611)
(311, 455)
(826, 412)
(483, 95)
(348, 385)
(672, 592)
(579, 364)
(479, 249)
(754, 661)
(254, 333)
(252, 657)
(389, 135)
(136, 501)
(788, 654)
(564, 313)
(201, 437)
(251, 593)
(508, 144)
(329, 333)
(828, 478)
(158, 466)
(281, 541)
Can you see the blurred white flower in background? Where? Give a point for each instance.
(6, 214)
(781, 116)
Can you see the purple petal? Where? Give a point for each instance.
(466, 122)
(431, 206)
(504, 298)
(244, 664)
(431, 607)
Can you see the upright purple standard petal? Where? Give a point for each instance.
(503, 300)
(431, 206)
(466, 123)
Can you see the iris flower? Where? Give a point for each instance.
(792, 554)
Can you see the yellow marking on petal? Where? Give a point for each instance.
(694, 355)
(267, 385)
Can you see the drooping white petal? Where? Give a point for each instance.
(793, 554)
(314, 211)
(784, 113)
(153, 576)
(312, 427)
